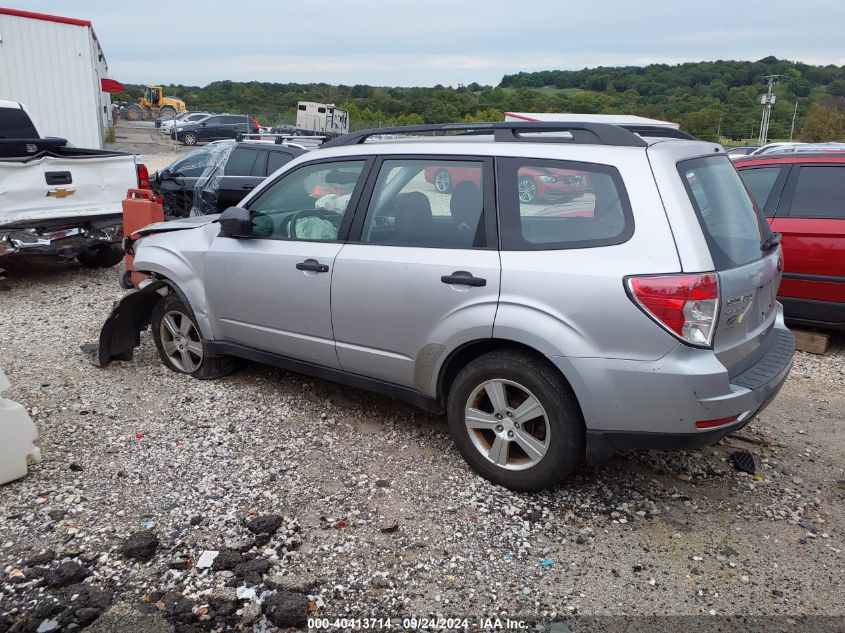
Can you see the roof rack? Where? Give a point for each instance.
(513, 131)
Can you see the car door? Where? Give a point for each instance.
(209, 129)
(271, 291)
(176, 185)
(811, 219)
(420, 274)
(244, 170)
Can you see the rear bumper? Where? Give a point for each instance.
(636, 404)
(64, 240)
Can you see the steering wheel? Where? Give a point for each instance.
(290, 224)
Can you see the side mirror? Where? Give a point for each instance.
(163, 174)
(235, 222)
(203, 124)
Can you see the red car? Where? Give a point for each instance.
(535, 183)
(803, 197)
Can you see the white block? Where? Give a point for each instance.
(17, 438)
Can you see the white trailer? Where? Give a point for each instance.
(55, 65)
(321, 118)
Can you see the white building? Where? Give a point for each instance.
(570, 117)
(55, 66)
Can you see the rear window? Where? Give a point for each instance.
(14, 123)
(732, 226)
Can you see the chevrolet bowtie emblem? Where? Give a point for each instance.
(61, 193)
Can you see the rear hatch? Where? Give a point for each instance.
(52, 187)
(744, 253)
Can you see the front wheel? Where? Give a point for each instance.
(515, 421)
(167, 112)
(180, 345)
(103, 256)
(189, 139)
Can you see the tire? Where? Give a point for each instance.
(443, 181)
(553, 435)
(135, 113)
(126, 280)
(166, 112)
(527, 189)
(189, 138)
(103, 256)
(180, 344)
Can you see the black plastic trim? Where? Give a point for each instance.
(406, 394)
(814, 313)
(809, 277)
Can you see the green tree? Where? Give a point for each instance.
(825, 121)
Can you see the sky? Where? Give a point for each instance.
(449, 42)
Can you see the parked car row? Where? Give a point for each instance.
(784, 146)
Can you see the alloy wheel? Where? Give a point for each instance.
(181, 341)
(507, 424)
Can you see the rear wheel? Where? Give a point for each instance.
(180, 344)
(103, 256)
(190, 138)
(443, 181)
(515, 421)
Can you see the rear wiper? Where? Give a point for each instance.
(771, 242)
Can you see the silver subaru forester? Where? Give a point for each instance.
(559, 290)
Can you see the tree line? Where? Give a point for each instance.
(711, 100)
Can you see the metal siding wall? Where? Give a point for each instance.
(48, 66)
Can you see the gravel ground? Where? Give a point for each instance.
(325, 499)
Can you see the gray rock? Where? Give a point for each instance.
(124, 617)
(302, 582)
(287, 609)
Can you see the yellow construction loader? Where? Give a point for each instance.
(154, 104)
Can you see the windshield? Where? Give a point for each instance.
(732, 225)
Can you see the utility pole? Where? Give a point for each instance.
(794, 114)
(767, 100)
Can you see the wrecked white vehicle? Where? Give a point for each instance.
(60, 200)
(17, 437)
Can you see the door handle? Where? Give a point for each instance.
(463, 278)
(313, 265)
(248, 187)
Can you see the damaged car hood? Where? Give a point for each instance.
(178, 225)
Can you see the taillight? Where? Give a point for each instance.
(685, 305)
(143, 176)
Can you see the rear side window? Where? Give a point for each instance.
(547, 205)
(819, 193)
(14, 123)
(760, 181)
(733, 228)
(241, 162)
(276, 160)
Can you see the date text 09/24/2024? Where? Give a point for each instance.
(415, 623)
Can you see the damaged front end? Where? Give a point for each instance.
(121, 333)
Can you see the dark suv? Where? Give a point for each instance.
(215, 128)
(803, 196)
(240, 167)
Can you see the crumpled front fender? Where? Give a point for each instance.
(121, 333)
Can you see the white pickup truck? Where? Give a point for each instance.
(60, 200)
